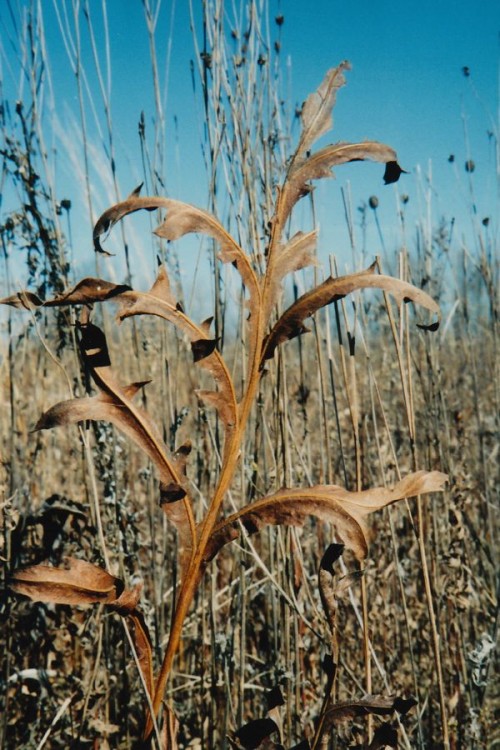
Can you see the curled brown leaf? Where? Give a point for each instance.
(22, 300)
(321, 163)
(370, 704)
(141, 638)
(78, 582)
(317, 110)
(291, 323)
(114, 404)
(344, 510)
(182, 218)
(298, 253)
(175, 504)
(158, 301)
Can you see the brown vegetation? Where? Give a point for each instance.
(215, 551)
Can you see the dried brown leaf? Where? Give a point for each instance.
(218, 401)
(87, 291)
(291, 323)
(182, 218)
(175, 504)
(22, 300)
(158, 302)
(142, 643)
(344, 510)
(116, 212)
(320, 165)
(317, 110)
(297, 254)
(78, 582)
(370, 704)
(128, 600)
(114, 404)
(82, 583)
(114, 407)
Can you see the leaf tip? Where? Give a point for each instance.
(393, 172)
(429, 327)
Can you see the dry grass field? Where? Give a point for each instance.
(276, 528)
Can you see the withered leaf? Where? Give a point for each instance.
(128, 600)
(370, 704)
(131, 419)
(321, 163)
(291, 322)
(114, 404)
(392, 172)
(202, 348)
(111, 407)
(317, 110)
(158, 302)
(23, 300)
(78, 582)
(217, 400)
(175, 504)
(81, 583)
(88, 290)
(118, 406)
(297, 254)
(142, 643)
(385, 735)
(343, 509)
(182, 218)
(110, 217)
(252, 734)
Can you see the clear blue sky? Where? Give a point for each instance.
(406, 88)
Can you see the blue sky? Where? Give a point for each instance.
(406, 88)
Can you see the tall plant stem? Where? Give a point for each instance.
(191, 578)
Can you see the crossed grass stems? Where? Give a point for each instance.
(263, 284)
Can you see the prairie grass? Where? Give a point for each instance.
(362, 400)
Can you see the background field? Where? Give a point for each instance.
(364, 398)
